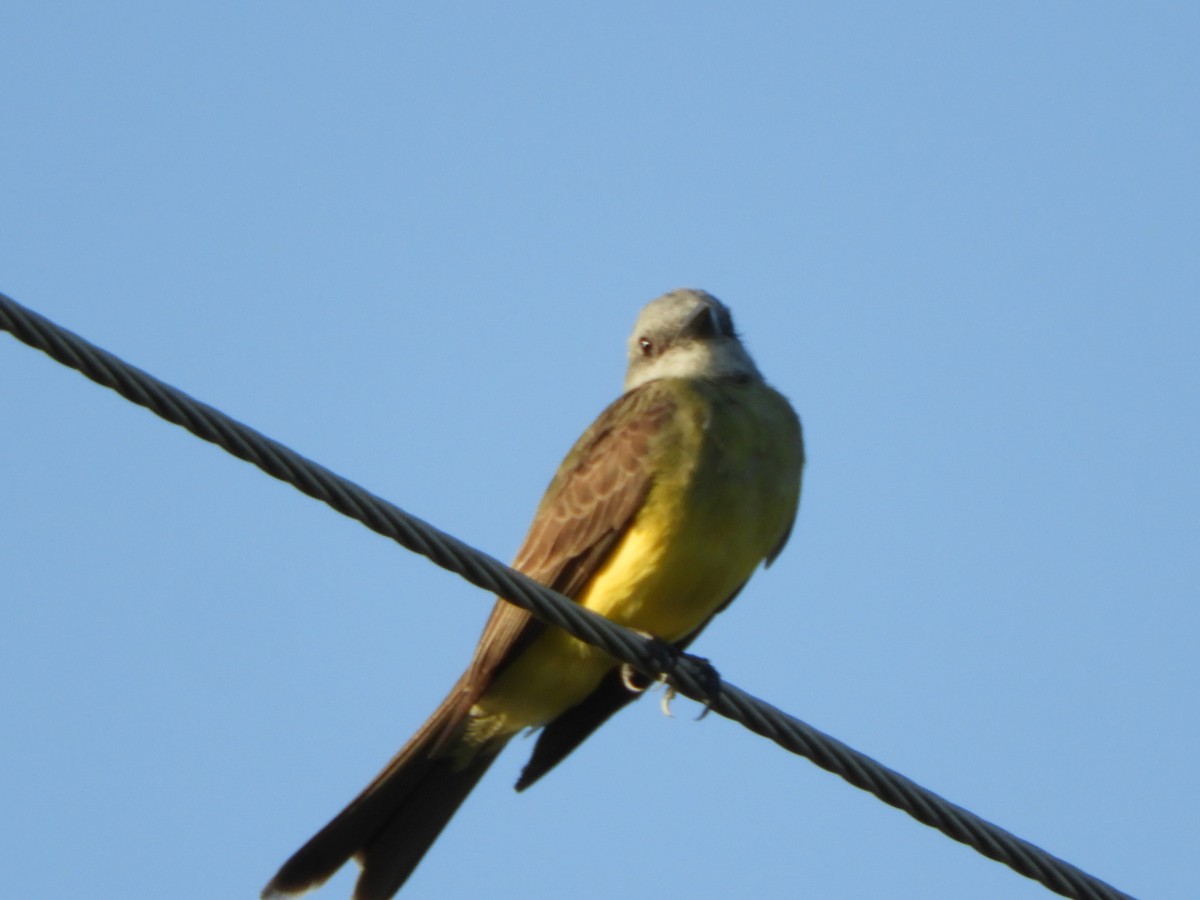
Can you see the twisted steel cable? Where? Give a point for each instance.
(689, 676)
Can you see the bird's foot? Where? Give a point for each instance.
(667, 657)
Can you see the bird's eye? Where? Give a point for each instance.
(647, 346)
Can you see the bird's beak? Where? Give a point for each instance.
(702, 324)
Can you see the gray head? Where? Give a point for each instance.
(686, 334)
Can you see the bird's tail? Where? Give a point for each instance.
(393, 822)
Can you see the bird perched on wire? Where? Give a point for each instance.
(656, 519)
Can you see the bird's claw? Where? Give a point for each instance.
(667, 657)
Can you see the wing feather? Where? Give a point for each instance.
(589, 505)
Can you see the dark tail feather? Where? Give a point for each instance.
(392, 823)
(571, 728)
(389, 856)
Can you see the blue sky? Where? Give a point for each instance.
(410, 242)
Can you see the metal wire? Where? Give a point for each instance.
(690, 676)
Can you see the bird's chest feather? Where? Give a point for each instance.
(724, 492)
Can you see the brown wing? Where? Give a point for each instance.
(588, 507)
(574, 726)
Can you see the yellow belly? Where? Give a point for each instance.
(724, 496)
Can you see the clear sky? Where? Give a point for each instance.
(409, 241)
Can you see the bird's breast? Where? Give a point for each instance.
(726, 485)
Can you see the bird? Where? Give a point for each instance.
(656, 518)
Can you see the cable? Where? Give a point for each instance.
(691, 677)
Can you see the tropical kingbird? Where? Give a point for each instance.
(656, 519)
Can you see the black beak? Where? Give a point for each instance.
(703, 324)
